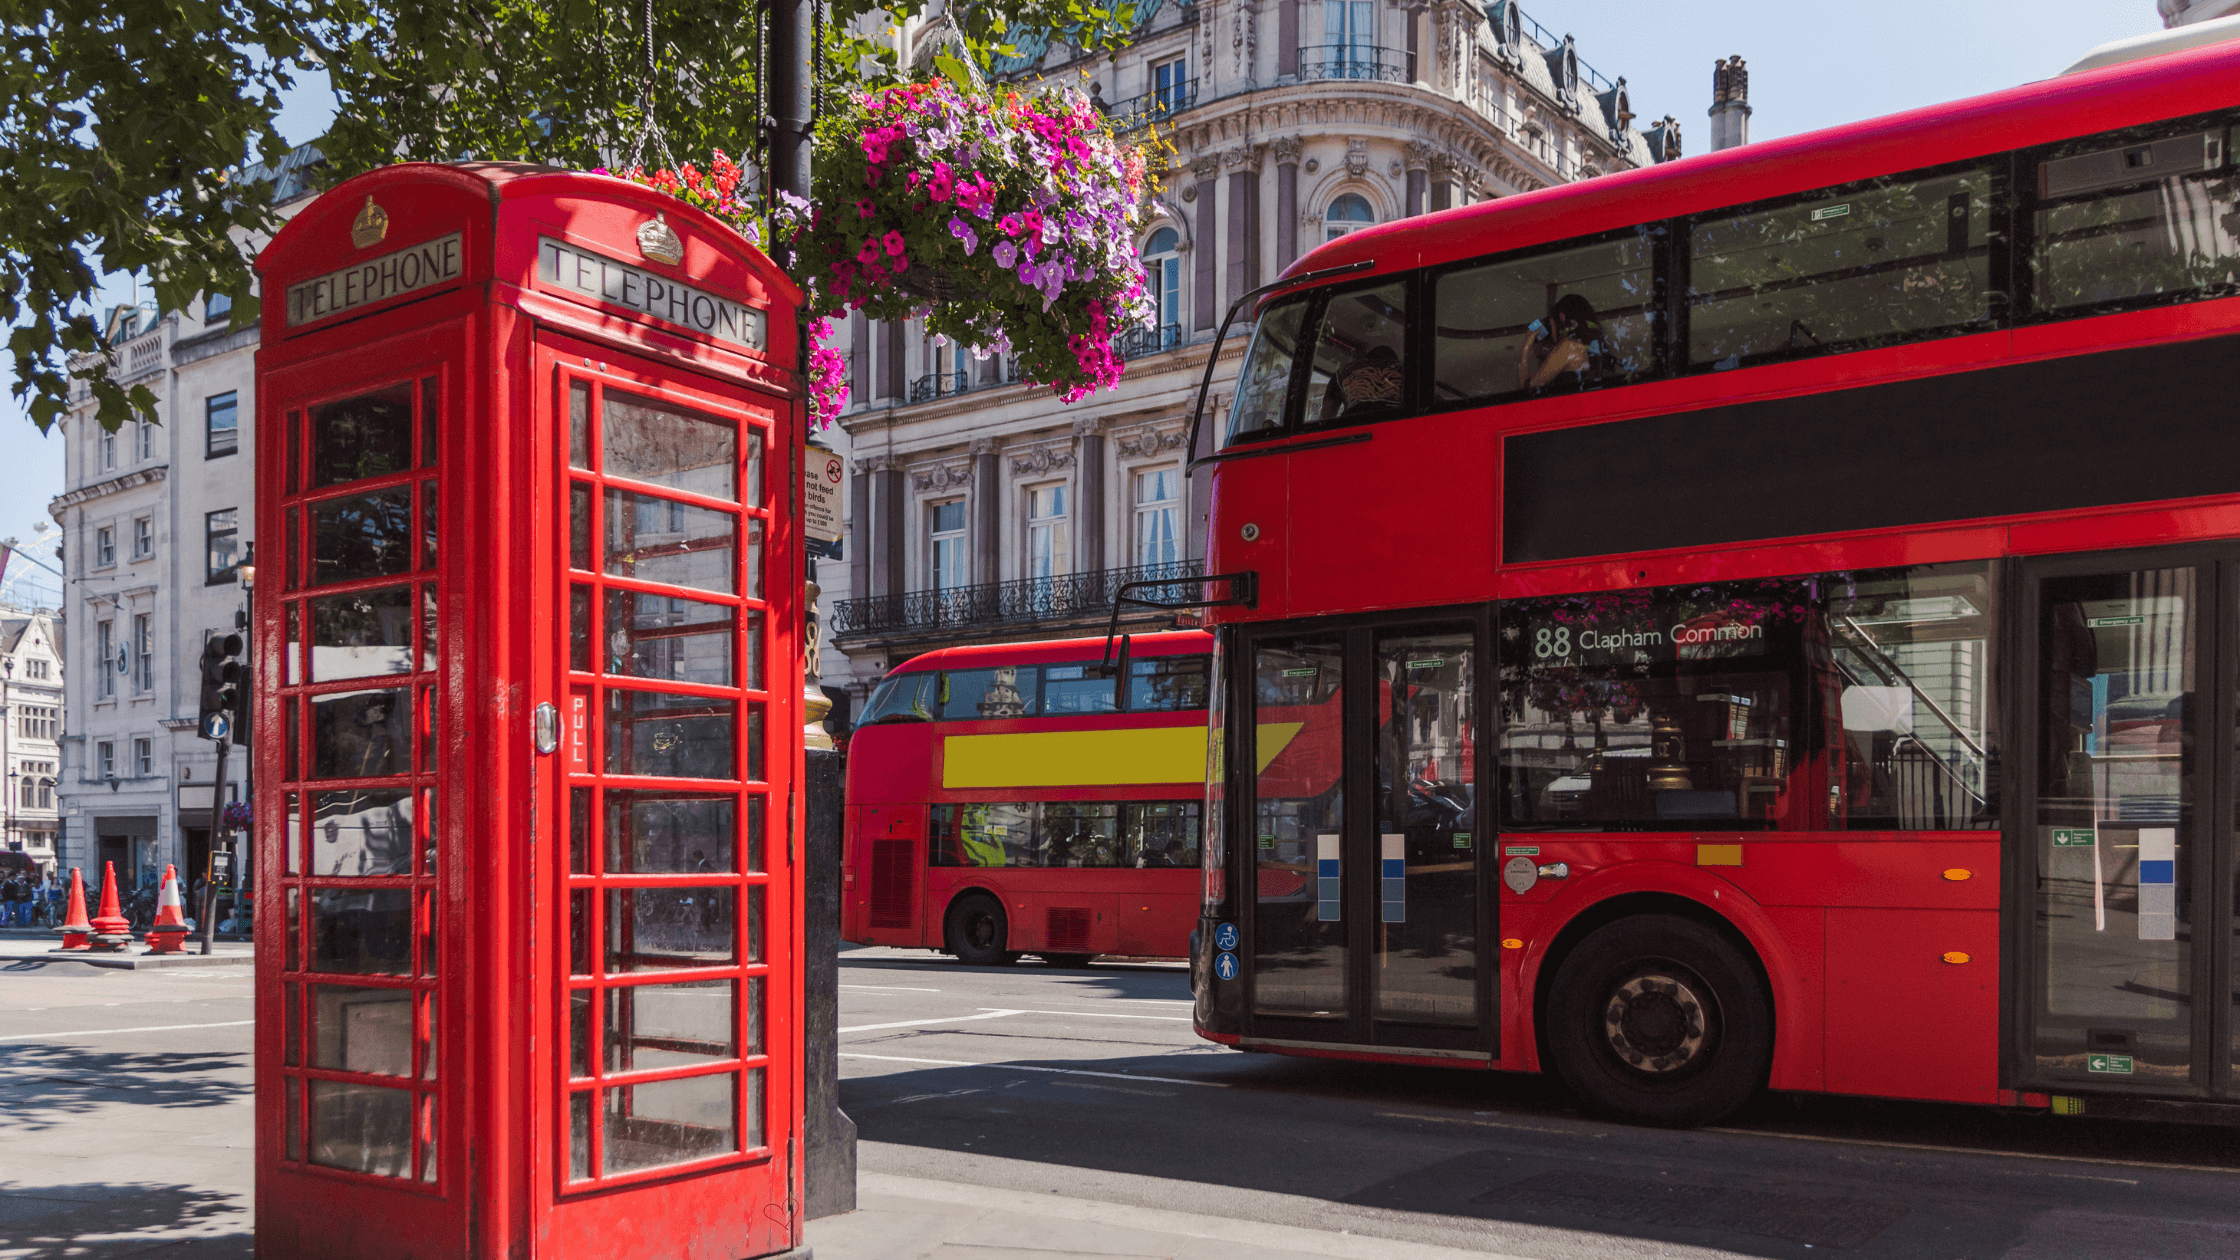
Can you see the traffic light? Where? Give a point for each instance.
(221, 686)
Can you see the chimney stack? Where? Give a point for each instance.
(1730, 104)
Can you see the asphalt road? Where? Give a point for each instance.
(1090, 1083)
(125, 1131)
(126, 1117)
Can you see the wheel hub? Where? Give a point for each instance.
(980, 929)
(1656, 1023)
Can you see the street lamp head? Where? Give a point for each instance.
(249, 567)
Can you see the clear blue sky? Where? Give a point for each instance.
(1810, 67)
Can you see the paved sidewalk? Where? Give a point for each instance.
(17, 945)
(913, 1218)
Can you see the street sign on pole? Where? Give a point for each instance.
(821, 475)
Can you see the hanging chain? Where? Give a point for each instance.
(648, 127)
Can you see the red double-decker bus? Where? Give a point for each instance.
(1011, 798)
(1785, 610)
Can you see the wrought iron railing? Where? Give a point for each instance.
(947, 384)
(939, 385)
(1020, 602)
(1353, 61)
(1157, 105)
(1138, 342)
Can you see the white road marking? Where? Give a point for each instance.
(1022, 1067)
(892, 988)
(917, 1023)
(104, 1032)
(1178, 1019)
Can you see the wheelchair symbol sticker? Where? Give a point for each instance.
(1225, 936)
(1225, 966)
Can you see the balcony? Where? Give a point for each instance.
(1353, 61)
(1135, 343)
(1085, 597)
(949, 384)
(1137, 112)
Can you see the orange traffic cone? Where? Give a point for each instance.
(168, 935)
(111, 930)
(74, 926)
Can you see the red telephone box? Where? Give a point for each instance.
(527, 726)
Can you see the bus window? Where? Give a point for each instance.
(971, 694)
(1837, 701)
(1160, 833)
(2132, 218)
(1167, 684)
(901, 698)
(983, 835)
(1360, 347)
(1877, 263)
(1572, 317)
(1070, 689)
(1082, 833)
(1264, 386)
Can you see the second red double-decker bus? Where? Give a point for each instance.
(1011, 798)
(1816, 656)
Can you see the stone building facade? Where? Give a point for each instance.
(157, 520)
(30, 733)
(982, 509)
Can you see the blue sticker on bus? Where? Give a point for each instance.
(1225, 936)
(1225, 966)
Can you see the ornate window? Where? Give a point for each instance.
(1162, 264)
(1350, 212)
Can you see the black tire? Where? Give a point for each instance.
(1067, 960)
(976, 931)
(1660, 1020)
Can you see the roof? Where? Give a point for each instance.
(2100, 100)
(11, 632)
(292, 176)
(1048, 651)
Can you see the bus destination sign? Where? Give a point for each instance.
(1642, 635)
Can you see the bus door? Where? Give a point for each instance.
(1370, 927)
(2121, 848)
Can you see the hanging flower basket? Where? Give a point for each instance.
(1006, 219)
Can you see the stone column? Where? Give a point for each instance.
(1205, 300)
(859, 528)
(1089, 481)
(890, 561)
(987, 511)
(1244, 219)
(1287, 200)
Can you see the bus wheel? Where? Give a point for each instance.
(1068, 960)
(1660, 1020)
(976, 932)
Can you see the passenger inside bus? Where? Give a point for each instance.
(1369, 386)
(1567, 341)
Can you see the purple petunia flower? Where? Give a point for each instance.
(963, 232)
(1004, 253)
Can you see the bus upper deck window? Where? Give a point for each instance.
(1264, 385)
(901, 698)
(1360, 347)
(2133, 218)
(1871, 264)
(1545, 321)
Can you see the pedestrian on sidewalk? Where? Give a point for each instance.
(13, 895)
